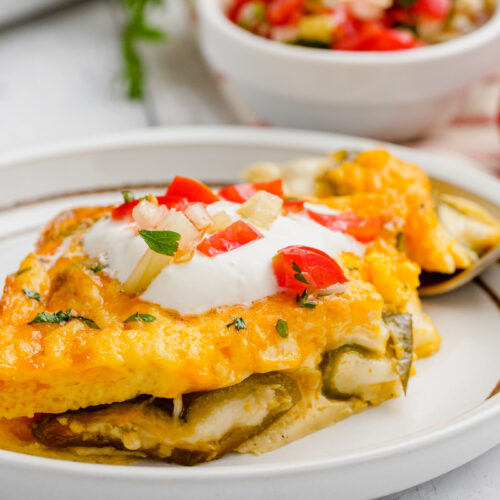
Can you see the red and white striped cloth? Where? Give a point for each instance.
(475, 132)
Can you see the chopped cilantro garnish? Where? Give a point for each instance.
(23, 270)
(31, 294)
(97, 268)
(87, 321)
(238, 323)
(299, 276)
(162, 242)
(128, 196)
(353, 268)
(147, 318)
(45, 317)
(62, 317)
(282, 328)
(303, 302)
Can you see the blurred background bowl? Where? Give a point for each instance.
(394, 96)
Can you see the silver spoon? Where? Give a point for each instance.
(437, 283)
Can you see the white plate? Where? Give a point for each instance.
(444, 422)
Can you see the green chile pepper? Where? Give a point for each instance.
(155, 417)
(401, 330)
(329, 366)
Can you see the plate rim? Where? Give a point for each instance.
(483, 414)
(469, 172)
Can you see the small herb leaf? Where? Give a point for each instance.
(61, 317)
(31, 294)
(45, 317)
(87, 321)
(162, 242)
(23, 270)
(303, 302)
(128, 196)
(282, 328)
(299, 276)
(238, 323)
(97, 268)
(147, 318)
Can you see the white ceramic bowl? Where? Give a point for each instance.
(384, 95)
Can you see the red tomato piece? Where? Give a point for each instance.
(193, 190)
(316, 267)
(392, 39)
(364, 230)
(239, 193)
(239, 233)
(124, 210)
(373, 35)
(293, 206)
(284, 11)
(179, 203)
(435, 9)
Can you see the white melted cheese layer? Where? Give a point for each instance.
(238, 277)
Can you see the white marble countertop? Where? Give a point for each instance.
(60, 79)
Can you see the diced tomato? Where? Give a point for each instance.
(373, 35)
(179, 203)
(192, 190)
(124, 210)
(392, 39)
(284, 11)
(316, 267)
(239, 193)
(239, 233)
(435, 9)
(364, 230)
(293, 206)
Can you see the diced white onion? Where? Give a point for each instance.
(198, 215)
(148, 215)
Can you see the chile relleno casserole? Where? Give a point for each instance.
(187, 325)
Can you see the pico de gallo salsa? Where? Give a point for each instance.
(361, 25)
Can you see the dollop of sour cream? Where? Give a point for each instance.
(238, 277)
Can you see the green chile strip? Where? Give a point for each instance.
(329, 366)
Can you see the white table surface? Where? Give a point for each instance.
(60, 79)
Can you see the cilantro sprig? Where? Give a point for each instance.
(162, 242)
(282, 328)
(147, 318)
(61, 317)
(238, 323)
(23, 270)
(137, 29)
(31, 294)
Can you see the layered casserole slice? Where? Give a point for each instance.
(184, 326)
